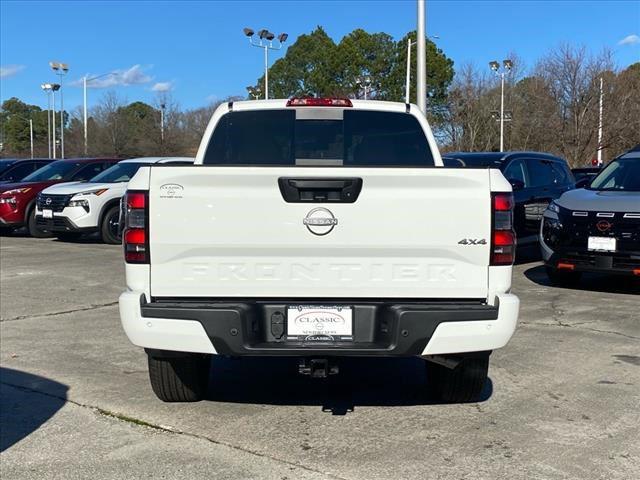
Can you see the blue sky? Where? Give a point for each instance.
(198, 51)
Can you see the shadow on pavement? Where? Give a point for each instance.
(590, 282)
(22, 411)
(361, 382)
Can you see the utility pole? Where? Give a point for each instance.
(600, 123)
(31, 135)
(421, 39)
(162, 107)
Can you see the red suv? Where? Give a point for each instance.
(18, 200)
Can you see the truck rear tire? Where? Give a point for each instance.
(461, 384)
(181, 378)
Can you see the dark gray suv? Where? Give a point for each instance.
(597, 228)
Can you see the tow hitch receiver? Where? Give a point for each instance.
(317, 367)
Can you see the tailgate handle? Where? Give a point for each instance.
(320, 190)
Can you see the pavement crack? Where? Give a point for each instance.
(577, 326)
(142, 423)
(63, 312)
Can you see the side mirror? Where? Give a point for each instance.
(516, 184)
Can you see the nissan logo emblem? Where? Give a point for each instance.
(320, 221)
(603, 225)
(48, 201)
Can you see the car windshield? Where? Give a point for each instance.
(120, 172)
(53, 171)
(5, 162)
(320, 138)
(619, 175)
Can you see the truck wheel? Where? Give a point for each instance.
(461, 384)
(562, 279)
(179, 378)
(33, 229)
(110, 225)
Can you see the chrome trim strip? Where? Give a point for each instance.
(605, 214)
(580, 214)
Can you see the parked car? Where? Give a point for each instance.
(15, 169)
(18, 199)
(584, 176)
(536, 178)
(69, 210)
(331, 241)
(596, 229)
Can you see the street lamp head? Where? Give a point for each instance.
(45, 86)
(64, 67)
(263, 33)
(508, 64)
(283, 37)
(248, 32)
(54, 65)
(270, 36)
(55, 87)
(494, 66)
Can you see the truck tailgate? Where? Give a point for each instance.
(228, 232)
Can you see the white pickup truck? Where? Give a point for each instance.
(318, 229)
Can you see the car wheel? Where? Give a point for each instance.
(563, 279)
(68, 237)
(33, 229)
(464, 383)
(181, 378)
(110, 226)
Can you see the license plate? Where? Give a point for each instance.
(47, 213)
(602, 244)
(321, 322)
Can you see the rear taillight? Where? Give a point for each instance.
(503, 238)
(319, 102)
(135, 236)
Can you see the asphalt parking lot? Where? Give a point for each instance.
(563, 400)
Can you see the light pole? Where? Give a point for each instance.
(162, 107)
(507, 65)
(54, 87)
(407, 85)
(364, 83)
(46, 87)
(600, 123)
(86, 80)
(60, 69)
(30, 129)
(421, 90)
(266, 43)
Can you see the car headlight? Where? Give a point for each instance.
(13, 192)
(81, 202)
(11, 200)
(553, 207)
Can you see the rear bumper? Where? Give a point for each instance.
(380, 328)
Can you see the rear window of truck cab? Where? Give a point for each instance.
(319, 137)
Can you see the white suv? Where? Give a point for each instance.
(69, 210)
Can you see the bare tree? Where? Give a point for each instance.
(112, 133)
